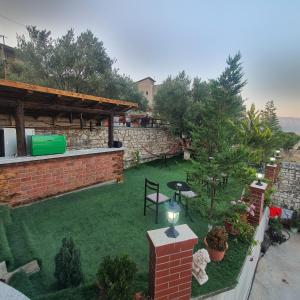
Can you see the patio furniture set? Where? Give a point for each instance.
(181, 189)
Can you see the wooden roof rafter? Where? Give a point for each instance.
(12, 90)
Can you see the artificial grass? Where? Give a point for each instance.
(109, 220)
(21, 282)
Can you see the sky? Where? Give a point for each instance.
(158, 38)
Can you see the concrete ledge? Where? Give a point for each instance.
(71, 153)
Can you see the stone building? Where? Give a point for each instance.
(8, 52)
(148, 87)
(7, 56)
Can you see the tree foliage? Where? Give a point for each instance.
(216, 139)
(258, 137)
(269, 117)
(115, 276)
(67, 265)
(289, 140)
(172, 99)
(79, 64)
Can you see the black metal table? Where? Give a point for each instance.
(181, 186)
(178, 187)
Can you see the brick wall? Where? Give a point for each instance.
(271, 173)
(170, 264)
(27, 182)
(257, 196)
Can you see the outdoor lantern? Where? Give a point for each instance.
(172, 216)
(259, 176)
(272, 160)
(277, 152)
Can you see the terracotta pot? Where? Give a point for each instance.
(229, 228)
(215, 255)
(138, 296)
(244, 217)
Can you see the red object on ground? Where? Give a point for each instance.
(275, 212)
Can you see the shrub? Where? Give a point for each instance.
(67, 265)
(295, 220)
(268, 197)
(217, 238)
(115, 276)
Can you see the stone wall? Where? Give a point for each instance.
(288, 188)
(145, 143)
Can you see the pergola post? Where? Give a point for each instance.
(20, 129)
(110, 130)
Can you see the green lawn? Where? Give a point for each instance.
(106, 220)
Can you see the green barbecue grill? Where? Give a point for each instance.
(48, 144)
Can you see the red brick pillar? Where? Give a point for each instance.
(271, 172)
(170, 263)
(257, 196)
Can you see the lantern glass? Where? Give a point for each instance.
(172, 217)
(173, 211)
(272, 159)
(259, 177)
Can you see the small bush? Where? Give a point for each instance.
(217, 238)
(67, 265)
(115, 277)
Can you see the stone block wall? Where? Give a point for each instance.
(288, 186)
(146, 142)
(27, 182)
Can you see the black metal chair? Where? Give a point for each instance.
(186, 194)
(155, 198)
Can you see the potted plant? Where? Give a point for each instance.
(243, 208)
(216, 243)
(294, 222)
(231, 219)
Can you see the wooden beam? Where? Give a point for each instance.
(20, 129)
(81, 121)
(68, 95)
(54, 107)
(110, 130)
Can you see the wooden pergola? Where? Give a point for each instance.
(20, 99)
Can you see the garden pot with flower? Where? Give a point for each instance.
(216, 243)
(243, 209)
(229, 226)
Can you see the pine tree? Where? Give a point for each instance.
(67, 265)
(214, 140)
(269, 117)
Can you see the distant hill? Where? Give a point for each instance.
(290, 124)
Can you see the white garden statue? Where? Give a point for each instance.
(200, 260)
